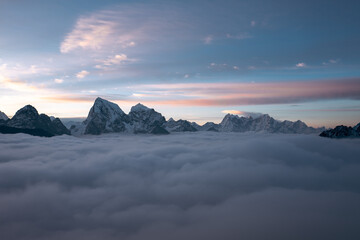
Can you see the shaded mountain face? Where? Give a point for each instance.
(105, 117)
(179, 126)
(3, 116)
(342, 132)
(26, 117)
(158, 130)
(42, 125)
(146, 120)
(34, 132)
(209, 126)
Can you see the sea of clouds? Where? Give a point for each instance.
(181, 186)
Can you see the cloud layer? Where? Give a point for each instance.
(231, 94)
(182, 186)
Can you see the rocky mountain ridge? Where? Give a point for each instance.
(28, 120)
(107, 117)
(342, 132)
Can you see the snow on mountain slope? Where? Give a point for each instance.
(107, 117)
(104, 117)
(179, 126)
(145, 120)
(264, 123)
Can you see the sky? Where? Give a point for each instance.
(195, 60)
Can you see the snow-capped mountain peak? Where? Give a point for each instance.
(104, 116)
(234, 123)
(145, 120)
(139, 108)
(101, 104)
(107, 117)
(230, 116)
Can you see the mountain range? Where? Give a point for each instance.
(342, 132)
(107, 117)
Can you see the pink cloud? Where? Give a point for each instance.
(232, 94)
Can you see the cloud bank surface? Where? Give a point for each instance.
(182, 186)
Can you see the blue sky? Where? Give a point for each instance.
(187, 59)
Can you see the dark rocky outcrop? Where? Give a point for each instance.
(27, 119)
(342, 132)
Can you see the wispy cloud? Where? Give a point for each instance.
(223, 67)
(233, 94)
(123, 27)
(237, 112)
(58, 80)
(89, 33)
(331, 61)
(301, 65)
(114, 61)
(239, 36)
(82, 74)
(242, 113)
(18, 70)
(225, 94)
(17, 85)
(208, 39)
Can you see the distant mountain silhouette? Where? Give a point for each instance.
(107, 117)
(27, 120)
(342, 132)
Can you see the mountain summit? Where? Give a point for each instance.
(263, 123)
(139, 108)
(146, 120)
(105, 117)
(27, 120)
